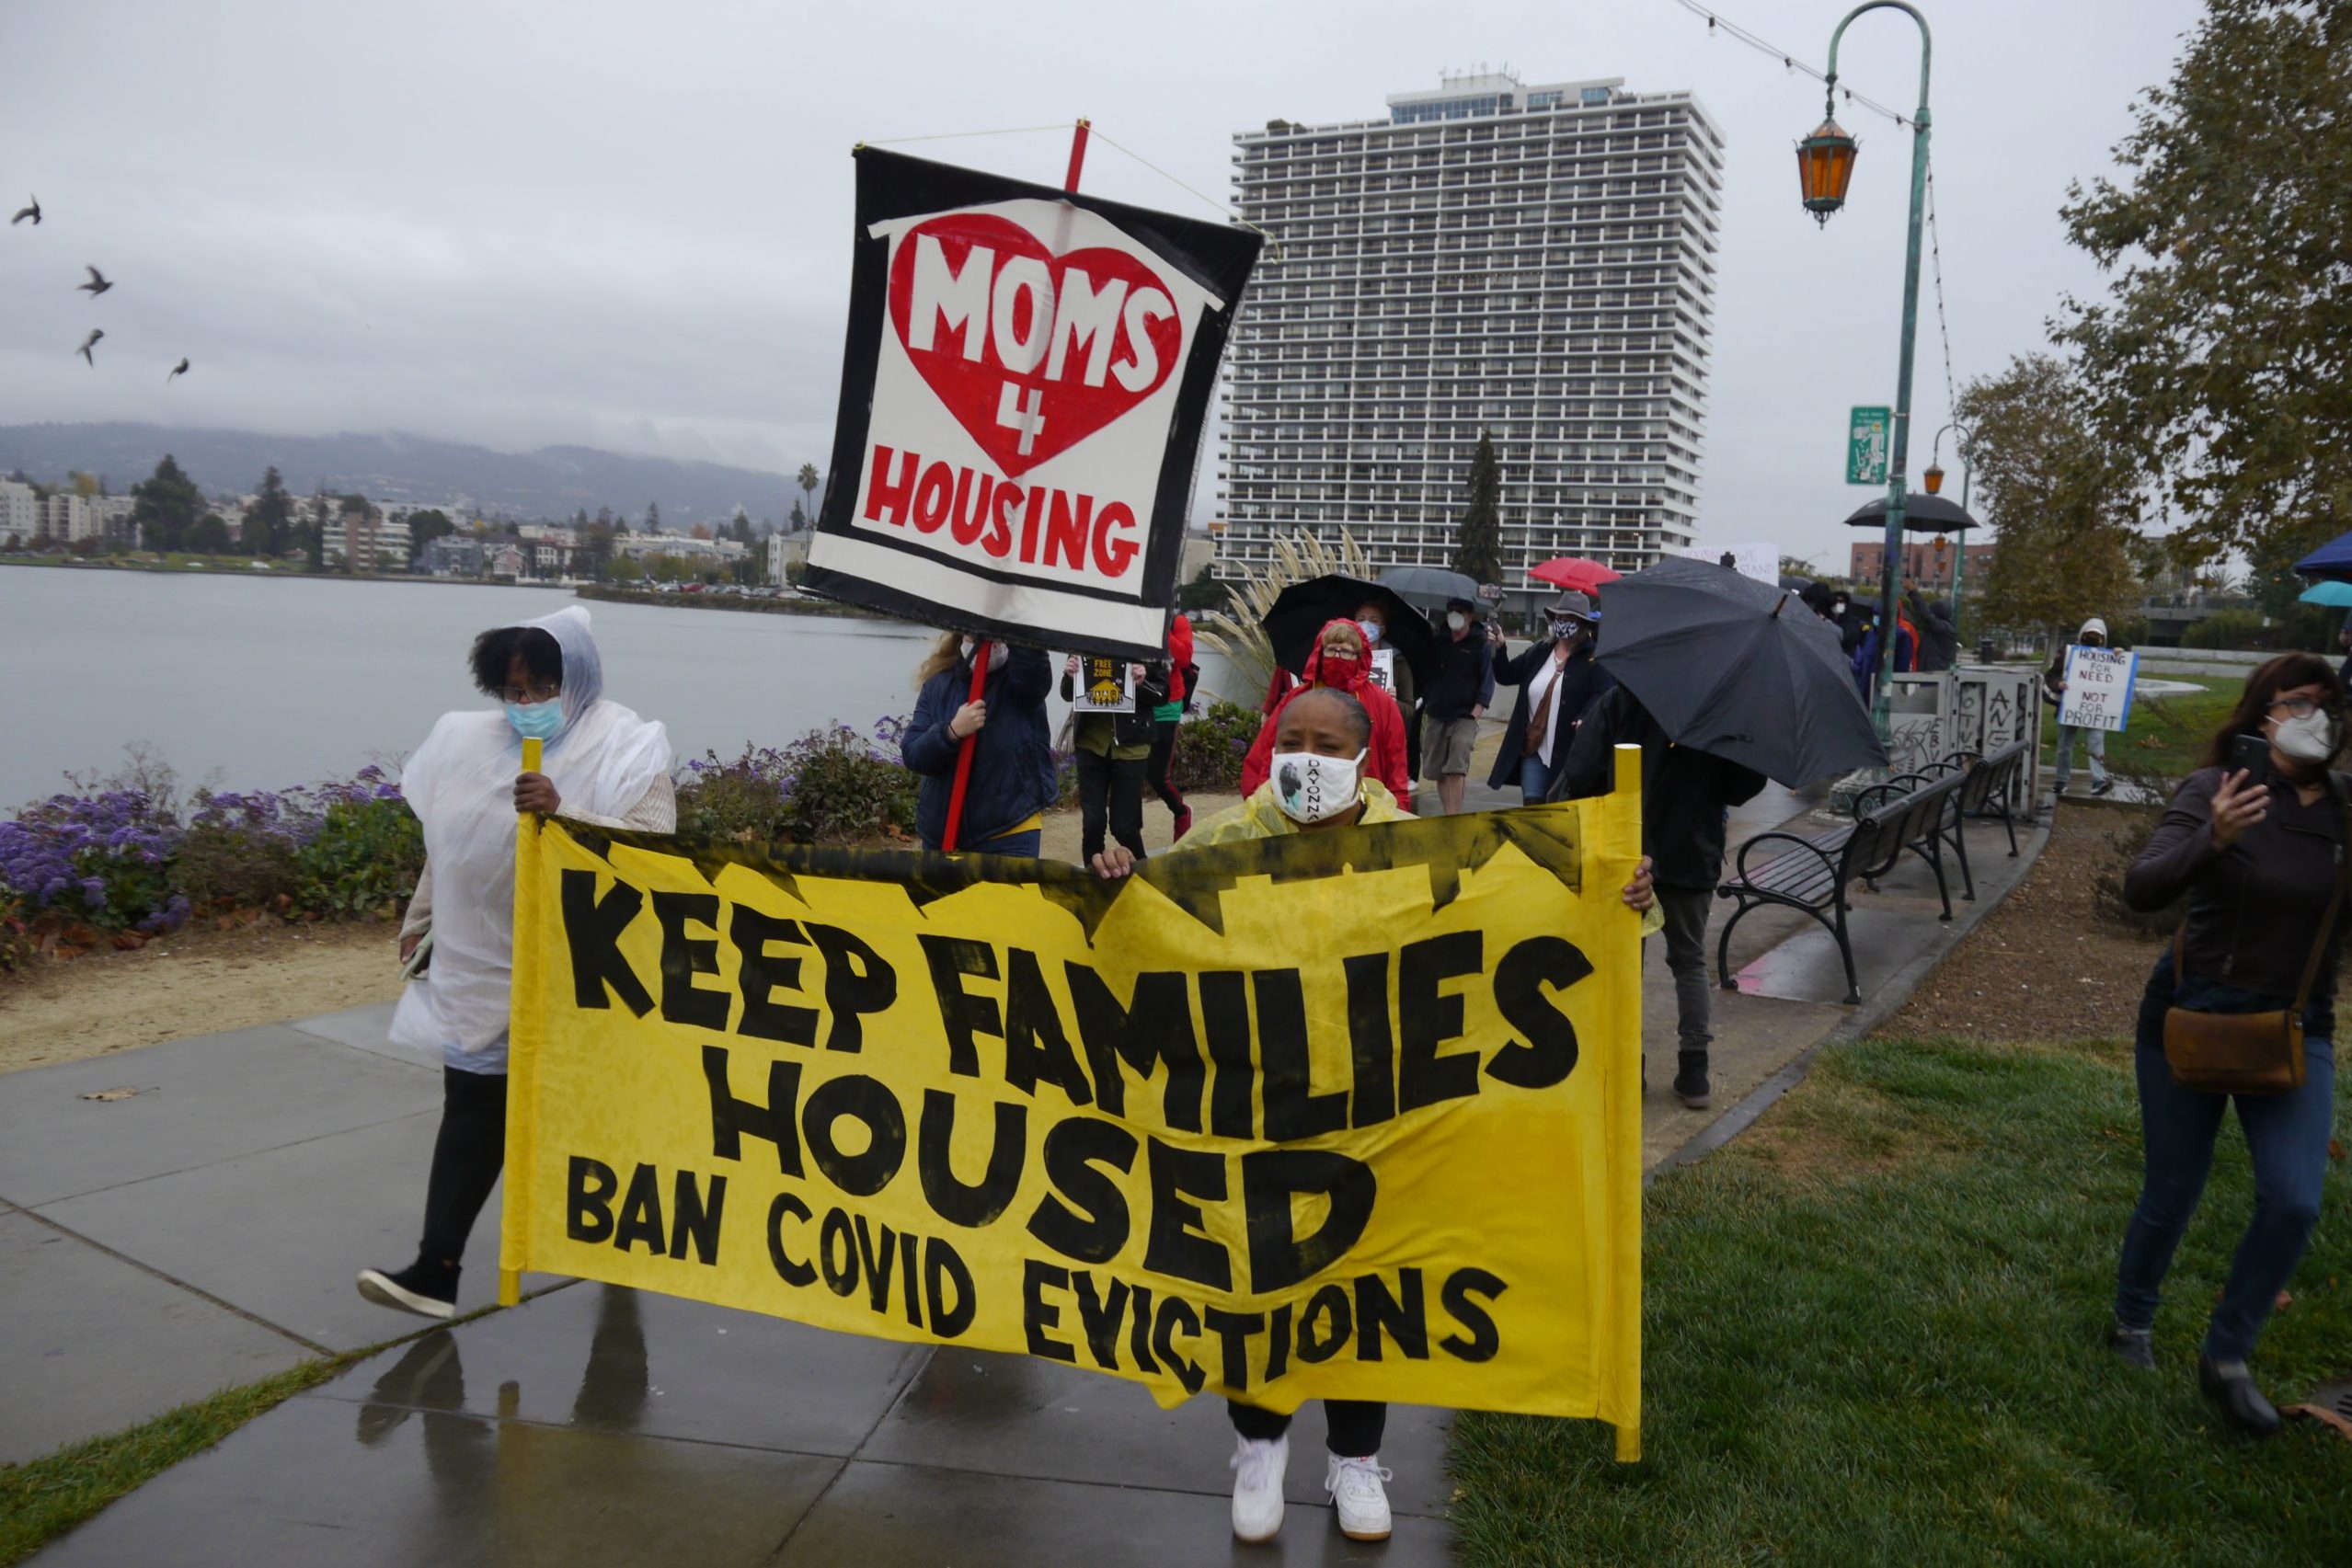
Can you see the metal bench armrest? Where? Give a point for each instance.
(1828, 864)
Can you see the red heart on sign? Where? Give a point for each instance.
(1031, 352)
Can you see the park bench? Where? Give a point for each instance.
(1814, 873)
(1991, 784)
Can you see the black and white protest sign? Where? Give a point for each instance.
(1026, 380)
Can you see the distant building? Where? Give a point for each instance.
(66, 518)
(451, 556)
(786, 551)
(504, 560)
(678, 546)
(110, 520)
(19, 515)
(1927, 563)
(1534, 260)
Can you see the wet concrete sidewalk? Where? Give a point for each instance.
(203, 1231)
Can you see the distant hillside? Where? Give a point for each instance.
(554, 482)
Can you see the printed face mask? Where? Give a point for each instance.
(536, 721)
(2311, 739)
(997, 654)
(1314, 788)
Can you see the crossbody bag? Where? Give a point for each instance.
(2249, 1053)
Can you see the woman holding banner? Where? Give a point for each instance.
(1318, 745)
(601, 763)
(1012, 780)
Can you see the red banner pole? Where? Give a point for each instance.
(979, 645)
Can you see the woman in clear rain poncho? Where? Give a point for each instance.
(601, 765)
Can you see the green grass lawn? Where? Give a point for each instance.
(1873, 1334)
(2167, 735)
(61, 1490)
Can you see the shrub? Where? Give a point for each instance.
(2228, 629)
(102, 859)
(339, 848)
(363, 859)
(830, 785)
(1212, 745)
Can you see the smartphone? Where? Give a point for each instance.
(2249, 754)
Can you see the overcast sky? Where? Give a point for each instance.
(627, 225)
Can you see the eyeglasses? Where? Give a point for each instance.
(522, 696)
(2303, 707)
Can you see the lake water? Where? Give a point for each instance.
(250, 682)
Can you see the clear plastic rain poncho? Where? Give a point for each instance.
(461, 785)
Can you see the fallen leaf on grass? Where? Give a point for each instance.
(2335, 1149)
(123, 1094)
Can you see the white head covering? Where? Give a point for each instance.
(461, 785)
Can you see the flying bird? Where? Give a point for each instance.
(32, 211)
(177, 370)
(87, 342)
(97, 284)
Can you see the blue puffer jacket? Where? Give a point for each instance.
(1012, 755)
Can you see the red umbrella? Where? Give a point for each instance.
(1575, 571)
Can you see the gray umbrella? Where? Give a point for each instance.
(1739, 670)
(1429, 588)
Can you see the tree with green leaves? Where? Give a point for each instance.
(209, 536)
(269, 526)
(1203, 592)
(808, 480)
(739, 528)
(424, 527)
(2220, 357)
(653, 517)
(1480, 552)
(166, 506)
(2057, 495)
(315, 541)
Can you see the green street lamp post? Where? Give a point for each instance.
(1824, 166)
(1934, 480)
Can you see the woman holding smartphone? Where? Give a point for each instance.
(2256, 839)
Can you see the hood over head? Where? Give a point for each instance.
(583, 668)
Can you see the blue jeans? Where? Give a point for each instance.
(2287, 1137)
(1011, 844)
(1535, 780)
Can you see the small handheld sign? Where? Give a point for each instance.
(1384, 670)
(2098, 688)
(1106, 686)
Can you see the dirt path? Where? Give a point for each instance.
(199, 982)
(2044, 966)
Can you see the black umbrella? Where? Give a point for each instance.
(1739, 670)
(1430, 587)
(1921, 514)
(1303, 608)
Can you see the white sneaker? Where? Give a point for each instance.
(1259, 1467)
(1355, 1490)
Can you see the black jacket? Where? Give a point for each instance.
(2255, 907)
(1939, 638)
(1465, 676)
(1580, 683)
(1685, 794)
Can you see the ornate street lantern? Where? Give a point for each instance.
(1934, 477)
(1824, 166)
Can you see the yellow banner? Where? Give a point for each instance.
(1354, 1114)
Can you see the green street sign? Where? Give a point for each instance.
(1866, 442)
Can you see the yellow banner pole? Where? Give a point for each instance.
(1621, 1104)
(522, 1046)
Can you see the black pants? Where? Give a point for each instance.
(467, 1157)
(1160, 770)
(1352, 1427)
(1107, 786)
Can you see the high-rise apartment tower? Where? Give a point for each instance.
(1537, 262)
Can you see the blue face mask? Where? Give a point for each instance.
(536, 721)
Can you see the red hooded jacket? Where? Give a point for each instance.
(1386, 761)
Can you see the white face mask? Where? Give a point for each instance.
(997, 654)
(1314, 788)
(1455, 620)
(2311, 739)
